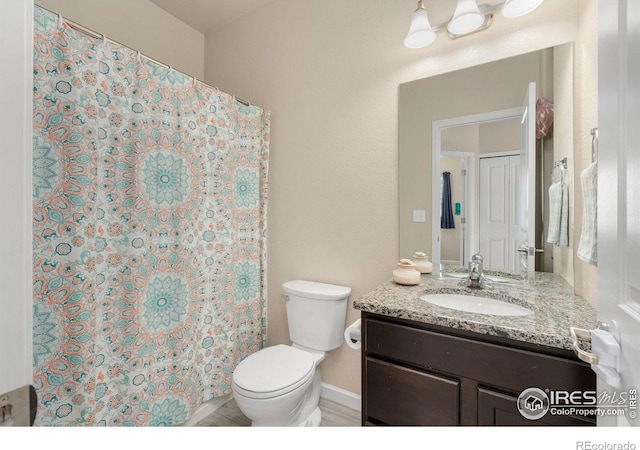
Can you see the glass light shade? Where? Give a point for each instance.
(466, 19)
(517, 8)
(420, 32)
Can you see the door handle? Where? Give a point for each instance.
(604, 356)
(530, 250)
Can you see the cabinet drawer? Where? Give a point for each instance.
(510, 368)
(401, 396)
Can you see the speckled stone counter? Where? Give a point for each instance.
(555, 307)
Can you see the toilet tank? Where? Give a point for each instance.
(316, 313)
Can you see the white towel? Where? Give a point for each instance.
(558, 233)
(588, 248)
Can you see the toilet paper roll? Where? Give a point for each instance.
(352, 335)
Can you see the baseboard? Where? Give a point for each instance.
(341, 396)
(207, 408)
(328, 391)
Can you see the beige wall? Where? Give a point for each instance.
(140, 25)
(461, 139)
(500, 136)
(329, 70)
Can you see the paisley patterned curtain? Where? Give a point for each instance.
(149, 224)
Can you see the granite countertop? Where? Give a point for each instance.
(555, 307)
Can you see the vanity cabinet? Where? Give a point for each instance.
(419, 374)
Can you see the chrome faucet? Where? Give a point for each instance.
(476, 279)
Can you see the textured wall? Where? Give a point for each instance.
(329, 71)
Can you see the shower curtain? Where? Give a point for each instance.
(149, 226)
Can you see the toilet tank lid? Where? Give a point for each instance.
(313, 289)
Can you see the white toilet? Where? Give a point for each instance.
(280, 385)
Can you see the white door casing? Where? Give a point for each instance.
(619, 191)
(16, 86)
(527, 202)
(515, 240)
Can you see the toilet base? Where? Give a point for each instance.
(306, 413)
(314, 419)
(310, 416)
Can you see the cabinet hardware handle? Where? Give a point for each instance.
(580, 334)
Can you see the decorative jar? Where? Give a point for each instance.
(421, 260)
(406, 273)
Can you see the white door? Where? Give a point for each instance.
(527, 202)
(495, 212)
(619, 192)
(499, 228)
(16, 44)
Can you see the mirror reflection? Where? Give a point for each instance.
(479, 167)
(468, 124)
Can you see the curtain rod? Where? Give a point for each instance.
(96, 35)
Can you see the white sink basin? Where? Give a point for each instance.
(478, 305)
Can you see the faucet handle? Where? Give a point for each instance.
(477, 258)
(476, 262)
(476, 279)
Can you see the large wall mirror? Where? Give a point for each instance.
(467, 123)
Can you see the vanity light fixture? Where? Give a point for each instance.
(420, 32)
(468, 18)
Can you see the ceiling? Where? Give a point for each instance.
(206, 15)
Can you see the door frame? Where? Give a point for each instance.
(437, 128)
(16, 87)
(469, 200)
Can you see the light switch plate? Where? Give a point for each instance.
(419, 215)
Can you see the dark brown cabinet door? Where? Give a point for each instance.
(495, 408)
(402, 396)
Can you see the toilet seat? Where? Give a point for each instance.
(273, 371)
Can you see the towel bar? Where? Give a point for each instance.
(562, 164)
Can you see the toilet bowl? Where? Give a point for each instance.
(280, 385)
(275, 387)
